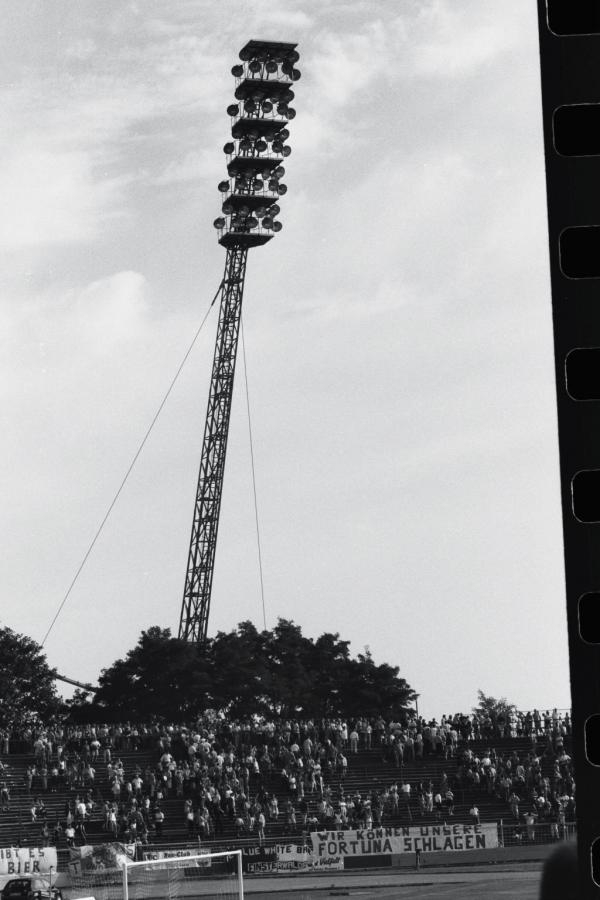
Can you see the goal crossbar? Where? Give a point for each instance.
(177, 876)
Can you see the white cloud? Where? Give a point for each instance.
(81, 50)
(109, 311)
(195, 165)
(294, 18)
(349, 63)
(53, 197)
(451, 41)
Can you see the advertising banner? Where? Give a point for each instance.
(286, 858)
(259, 859)
(291, 857)
(182, 854)
(327, 862)
(99, 859)
(27, 860)
(428, 838)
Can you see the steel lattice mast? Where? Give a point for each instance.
(255, 157)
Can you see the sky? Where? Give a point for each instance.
(398, 337)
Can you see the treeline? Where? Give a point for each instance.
(277, 673)
(240, 673)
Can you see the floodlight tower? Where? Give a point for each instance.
(254, 166)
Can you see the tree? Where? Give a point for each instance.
(376, 687)
(277, 673)
(27, 688)
(490, 706)
(161, 677)
(241, 682)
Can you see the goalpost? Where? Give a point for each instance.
(201, 875)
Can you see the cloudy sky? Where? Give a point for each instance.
(398, 336)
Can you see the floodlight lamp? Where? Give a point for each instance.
(273, 184)
(288, 95)
(282, 109)
(253, 135)
(279, 171)
(237, 71)
(257, 185)
(282, 189)
(277, 226)
(260, 146)
(286, 67)
(291, 113)
(233, 109)
(267, 222)
(295, 74)
(245, 145)
(267, 106)
(249, 107)
(286, 151)
(229, 148)
(266, 172)
(261, 211)
(271, 66)
(244, 211)
(254, 66)
(294, 56)
(227, 208)
(283, 134)
(245, 54)
(219, 223)
(252, 222)
(258, 96)
(274, 210)
(277, 146)
(223, 186)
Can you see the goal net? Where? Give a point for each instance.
(202, 875)
(197, 875)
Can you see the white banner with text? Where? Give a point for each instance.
(427, 838)
(27, 860)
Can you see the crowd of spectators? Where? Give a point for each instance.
(257, 774)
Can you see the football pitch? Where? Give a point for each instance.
(436, 885)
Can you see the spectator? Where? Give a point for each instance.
(530, 820)
(80, 833)
(405, 791)
(159, 818)
(57, 833)
(261, 822)
(514, 801)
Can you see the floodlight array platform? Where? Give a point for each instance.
(258, 148)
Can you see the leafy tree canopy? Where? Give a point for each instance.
(244, 672)
(27, 689)
(492, 707)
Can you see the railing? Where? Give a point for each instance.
(513, 835)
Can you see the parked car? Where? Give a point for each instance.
(29, 889)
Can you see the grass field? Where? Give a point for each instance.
(518, 880)
(520, 883)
